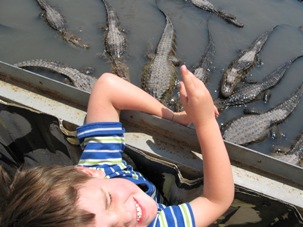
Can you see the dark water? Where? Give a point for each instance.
(25, 35)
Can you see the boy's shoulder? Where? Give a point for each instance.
(99, 128)
(175, 215)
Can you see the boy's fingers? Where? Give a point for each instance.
(191, 82)
(216, 111)
(187, 78)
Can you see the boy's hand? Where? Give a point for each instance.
(196, 99)
(181, 118)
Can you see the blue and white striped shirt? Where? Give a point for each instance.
(103, 144)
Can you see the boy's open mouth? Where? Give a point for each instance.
(139, 211)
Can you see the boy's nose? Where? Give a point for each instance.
(124, 218)
(126, 213)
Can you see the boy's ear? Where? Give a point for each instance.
(91, 172)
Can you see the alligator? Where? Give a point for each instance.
(78, 79)
(205, 66)
(292, 155)
(57, 22)
(207, 6)
(252, 128)
(159, 74)
(115, 41)
(239, 67)
(250, 92)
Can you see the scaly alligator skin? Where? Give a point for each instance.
(75, 40)
(205, 66)
(292, 155)
(206, 5)
(252, 128)
(252, 92)
(115, 41)
(298, 150)
(120, 68)
(57, 22)
(160, 74)
(79, 80)
(238, 68)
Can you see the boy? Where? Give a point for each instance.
(103, 190)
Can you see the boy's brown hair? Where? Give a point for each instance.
(42, 196)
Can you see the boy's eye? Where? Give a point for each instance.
(109, 199)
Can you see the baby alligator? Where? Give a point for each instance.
(252, 128)
(115, 43)
(159, 75)
(238, 68)
(202, 71)
(79, 80)
(251, 92)
(206, 5)
(57, 22)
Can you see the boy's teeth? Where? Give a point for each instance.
(139, 212)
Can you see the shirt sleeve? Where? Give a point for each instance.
(174, 216)
(102, 144)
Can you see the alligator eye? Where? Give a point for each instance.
(226, 91)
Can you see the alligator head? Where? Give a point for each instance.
(230, 80)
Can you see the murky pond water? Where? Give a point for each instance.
(24, 35)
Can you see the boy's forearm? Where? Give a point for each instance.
(112, 94)
(134, 98)
(218, 180)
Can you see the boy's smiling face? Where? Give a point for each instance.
(116, 202)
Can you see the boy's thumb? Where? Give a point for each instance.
(183, 93)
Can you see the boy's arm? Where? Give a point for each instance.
(111, 94)
(218, 191)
